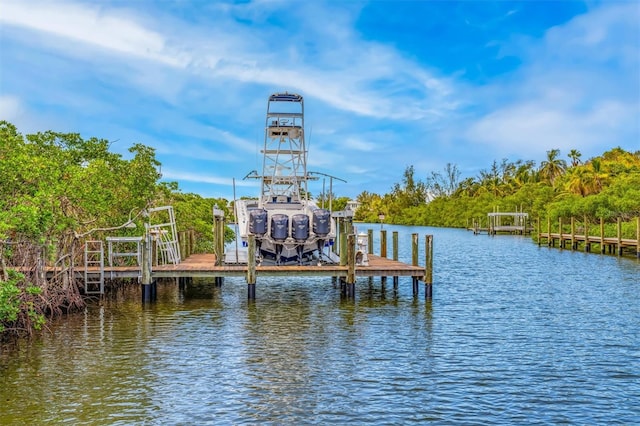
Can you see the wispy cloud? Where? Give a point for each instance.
(93, 25)
(192, 78)
(579, 87)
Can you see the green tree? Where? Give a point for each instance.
(553, 167)
(574, 155)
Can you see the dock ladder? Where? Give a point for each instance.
(94, 267)
(165, 234)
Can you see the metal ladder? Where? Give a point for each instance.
(94, 257)
(166, 235)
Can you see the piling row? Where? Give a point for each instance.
(579, 235)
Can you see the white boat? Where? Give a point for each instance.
(289, 228)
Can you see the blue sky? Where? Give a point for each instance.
(387, 84)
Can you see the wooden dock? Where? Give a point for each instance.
(209, 266)
(573, 239)
(203, 265)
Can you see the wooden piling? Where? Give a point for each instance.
(560, 232)
(343, 247)
(383, 243)
(602, 249)
(251, 267)
(638, 237)
(414, 261)
(395, 257)
(587, 243)
(619, 242)
(351, 265)
(370, 240)
(414, 249)
(148, 285)
(428, 278)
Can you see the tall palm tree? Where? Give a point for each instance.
(575, 155)
(553, 167)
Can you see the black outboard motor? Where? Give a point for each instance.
(279, 232)
(258, 222)
(321, 222)
(321, 227)
(258, 225)
(279, 227)
(300, 232)
(300, 227)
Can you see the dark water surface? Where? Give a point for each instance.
(515, 333)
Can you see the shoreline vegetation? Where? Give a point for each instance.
(58, 190)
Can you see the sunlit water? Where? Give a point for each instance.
(515, 333)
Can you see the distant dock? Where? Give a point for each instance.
(578, 236)
(502, 222)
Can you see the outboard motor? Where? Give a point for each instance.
(279, 227)
(258, 222)
(321, 222)
(321, 227)
(300, 232)
(300, 227)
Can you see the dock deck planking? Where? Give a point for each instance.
(203, 265)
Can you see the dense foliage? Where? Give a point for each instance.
(58, 190)
(607, 186)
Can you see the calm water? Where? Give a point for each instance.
(515, 333)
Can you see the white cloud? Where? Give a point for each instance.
(346, 72)
(91, 25)
(10, 108)
(578, 88)
(358, 144)
(202, 178)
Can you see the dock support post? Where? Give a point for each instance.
(619, 229)
(343, 247)
(549, 239)
(602, 249)
(148, 285)
(560, 231)
(218, 235)
(414, 249)
(428, 278)
(638, 237)
(383, 251)
(370, 241)
(351, 265)
(539, 234)
(395, 256)
(251, 267)
(414, 260)
(587, 242)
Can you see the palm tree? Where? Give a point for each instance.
(599, 173)
(553, 167)
(580, 180)
(575, 155)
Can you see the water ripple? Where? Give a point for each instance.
(516, 333)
